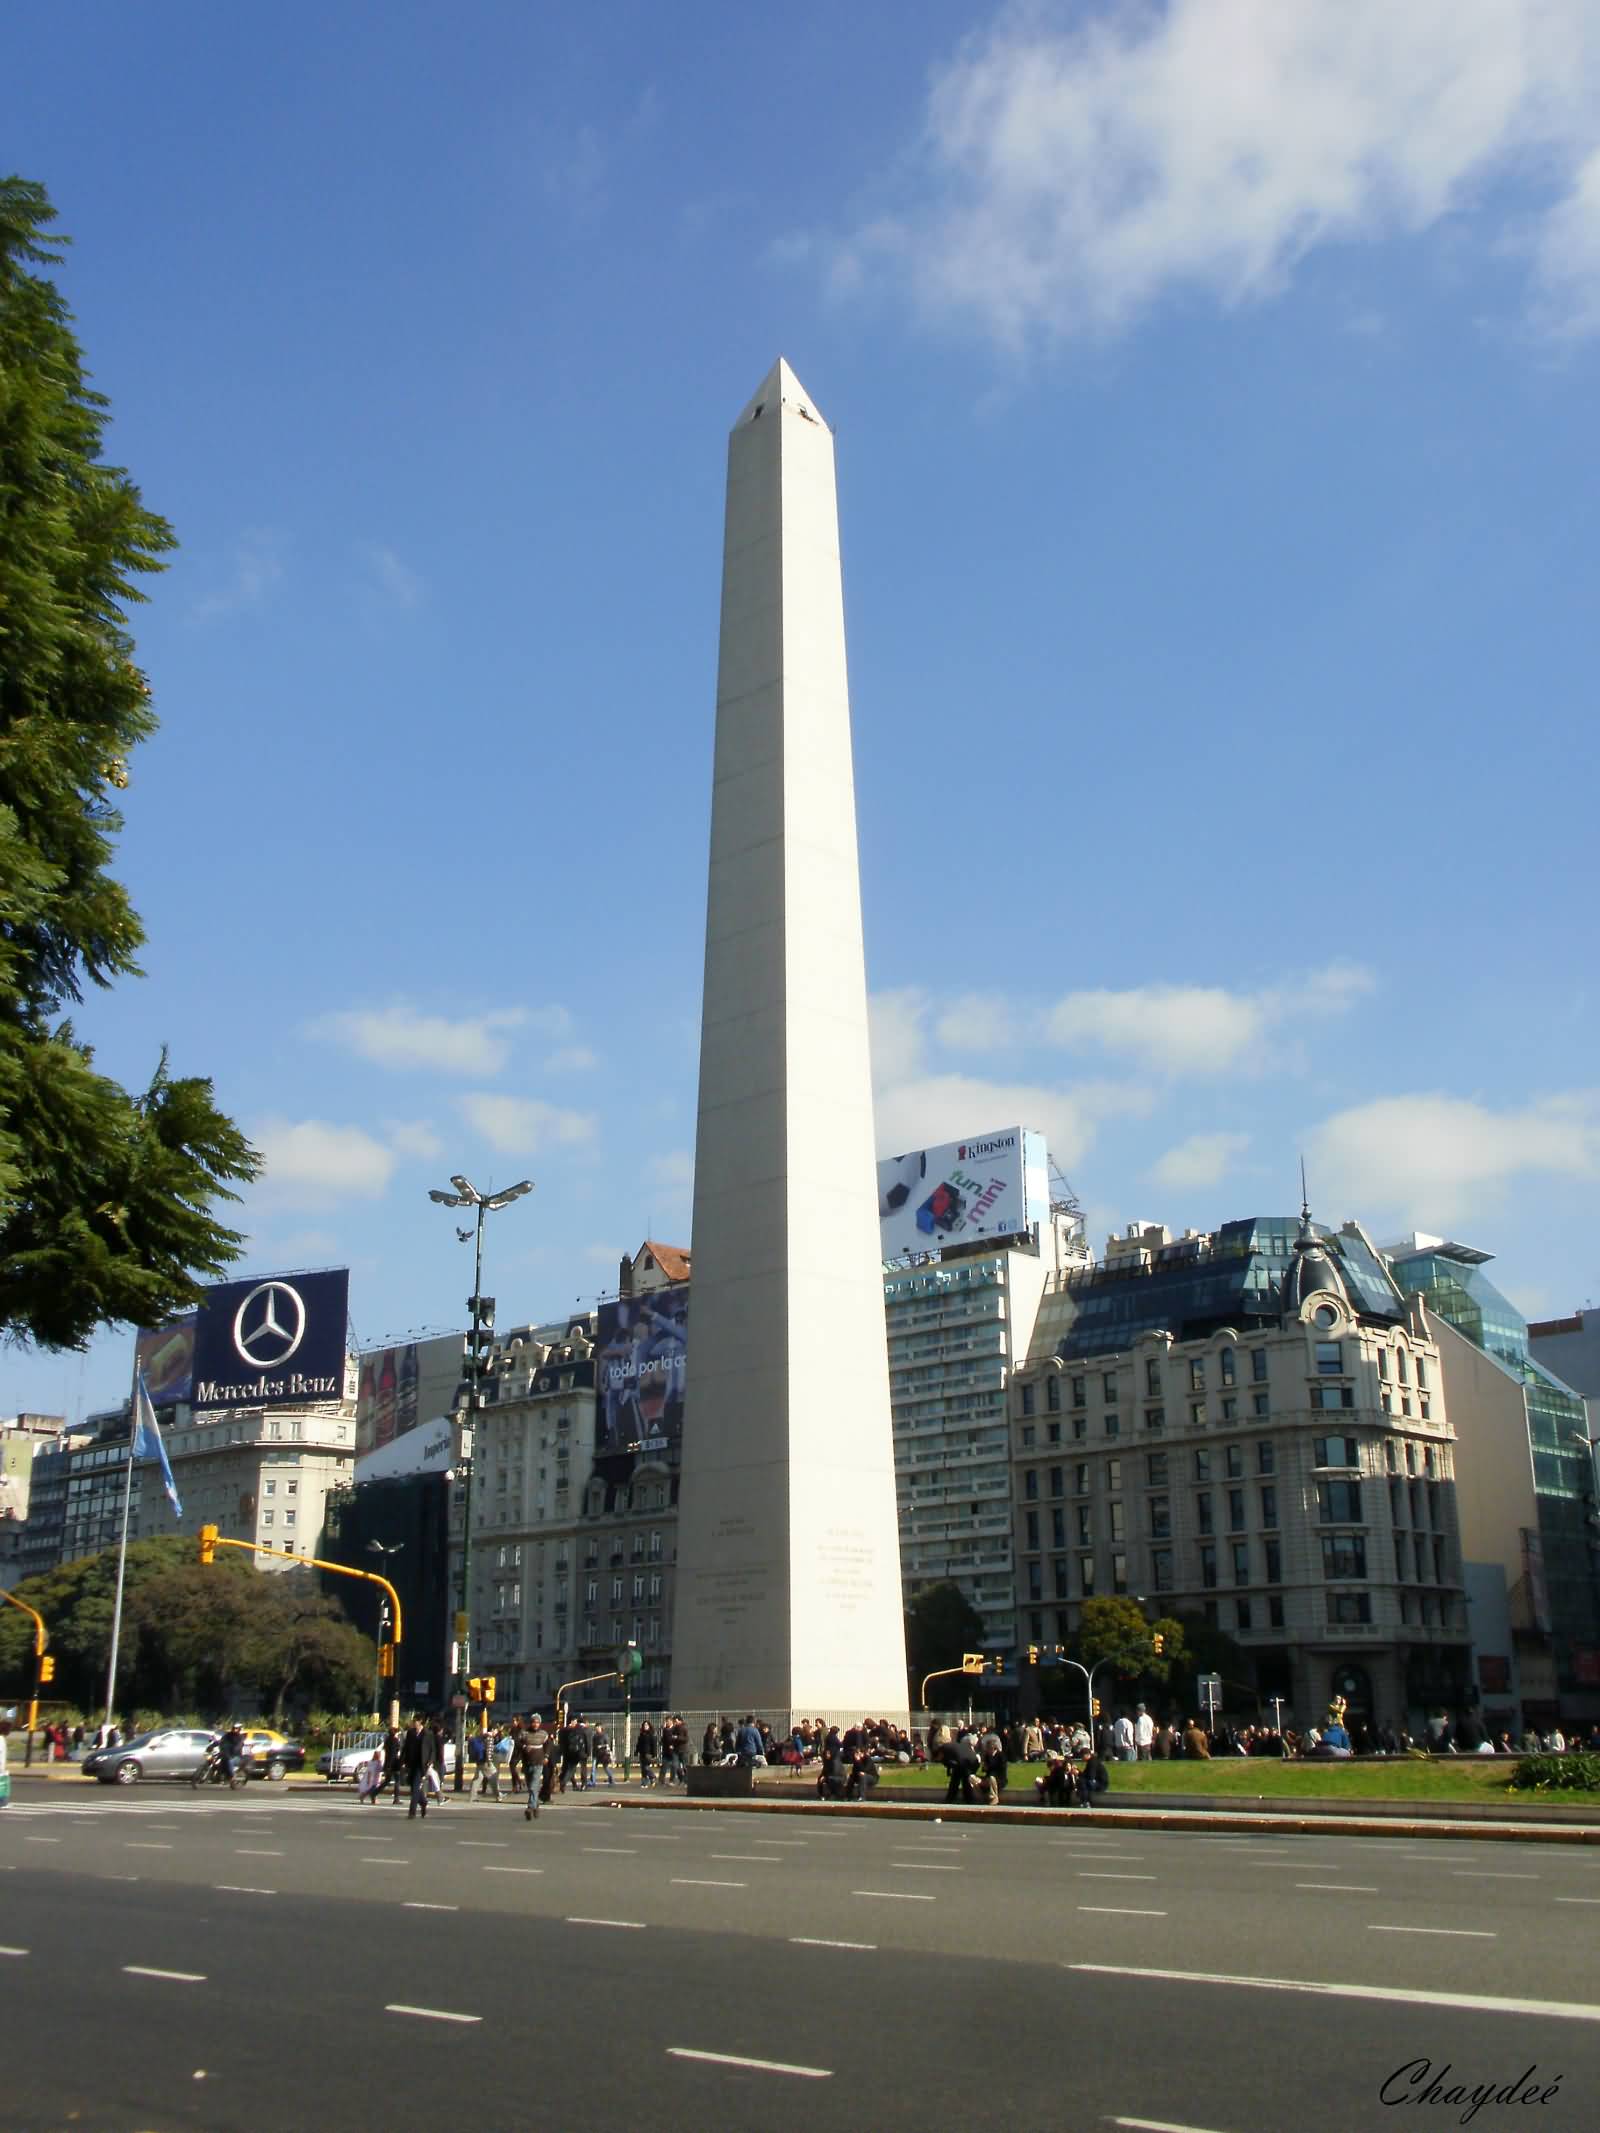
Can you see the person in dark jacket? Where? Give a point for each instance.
(964, 1764)
(419, 1754)
(534, 1746)
(645, 1749)
(393, 1768)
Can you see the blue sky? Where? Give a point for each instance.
(1214, 389)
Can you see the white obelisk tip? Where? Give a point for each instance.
(779, 389)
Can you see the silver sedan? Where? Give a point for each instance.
(175, 1752)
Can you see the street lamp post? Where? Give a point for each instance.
(476, 1357)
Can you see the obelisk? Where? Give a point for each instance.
(788, 1576)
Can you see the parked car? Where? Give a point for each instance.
(272, 1755)
(345, 1764)
(170, 1752)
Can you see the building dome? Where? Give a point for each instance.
(1312, 1271)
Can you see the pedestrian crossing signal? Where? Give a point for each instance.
(972, 1662)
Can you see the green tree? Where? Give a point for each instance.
(106, 1197)
(941, 1624)
(1113, 1628)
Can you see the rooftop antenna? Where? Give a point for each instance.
(1305, 1198)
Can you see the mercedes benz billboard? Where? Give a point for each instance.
(273, 1342)
(994, 1185)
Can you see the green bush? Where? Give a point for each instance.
(1557, 1773)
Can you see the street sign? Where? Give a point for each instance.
(458, 1703)
(630, 1660)
(462, 1622)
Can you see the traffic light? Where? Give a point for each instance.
(1097, 1707)
(1158, 1644)
(972, 1662)
(386, 1662)
(488, 1686)
(474, 1689)
(1033, 1655)
(208, 1544)
(47, 1669)
(997, 1661)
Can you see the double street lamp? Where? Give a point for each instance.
(476, 1367)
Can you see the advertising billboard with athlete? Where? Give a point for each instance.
(638, 1374)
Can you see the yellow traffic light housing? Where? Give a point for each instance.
(474, 1689)
(1097, 1707)
(973, 1662)
(1033, 1655)
(489, 1686)
(386, 1662)
(47, 1669)
(998, 1662)
(208, 1544)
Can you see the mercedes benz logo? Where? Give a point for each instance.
(269, 1325)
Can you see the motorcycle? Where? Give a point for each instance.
(213, 1771)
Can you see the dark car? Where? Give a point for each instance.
(269, 1755)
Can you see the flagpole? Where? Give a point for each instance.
(122, 1547)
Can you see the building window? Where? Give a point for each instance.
(1080, 1391)
(1241, 1562)
(1337, 1396)
(1197, 1414)
(1202, 1511)
(1080, 1478)
(1109, 1381)
(1422, 1372)
(1055, 1482)
(1030, 1483)
(1052, 1394)
(1113, 1426)
(1269, 1506)
(1160, 1518)
(1274, 1556)
(1058, 1528)
(269, 1488)
(1086, 1576)
(1116, 1521)
(1274, 1610)
(1035, 1582)
(1113, 1475)
(1330, 1359)
(1155, 1469)
(1052, 1429)
(1152, 1376)
(1033, 1529)
(1383, 1362)
(1155, 1419)
(1258, 1365)
(1027, 1436)
(1344, 1555)
(1266, 1457)
(1227, 1362)
(1339, 1451)
(1027, 1399)
(1208, 1566)
(1202, 1466)
(1346, 1607)
(1260, 1404)
(1230, 1410)
(288, 1518)
(1161, 1569)
(1234, 1457)
(1197, 1374)
(291, 1488)
(266, 1518)
(1402, 1366)
(1085, 1526)
(1058, 1572)
(1236, 1510)
(1339, 1503)
(1119, 1573)
(1080, 1425)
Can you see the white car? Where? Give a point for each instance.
(345, 1765)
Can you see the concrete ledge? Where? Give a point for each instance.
(1317, 1825)
(720, 1781)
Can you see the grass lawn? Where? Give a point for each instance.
(1469, 1779)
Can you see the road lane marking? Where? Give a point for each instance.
(761, 2066)
(627, 1925)
(805, 1940)
(176, 1977)
(57, 1840)
(513, 1869)
(248, 1851)
(240, 1888)
(383, 1862)
(615, 1851)
(1088, 1874)
(689, 1881)
(744, 1858)
(894, 1895)
(1444, 1932)
(484, 1844)
(430, 2014)
(1472, 2002)
(1342, 1888)
(935, 1846)
(415, 1906)
(13, 1951)
(1156, 2125)
(1487, 1873)
(137, 1844)
(1578, 1899)
(1117, 1910)
(922, 1866)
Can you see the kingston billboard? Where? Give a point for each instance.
(994, 1185)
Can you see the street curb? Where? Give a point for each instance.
(1135, 1818)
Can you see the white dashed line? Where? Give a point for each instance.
(613, 1851)
(804, 1940)
(412, 1906)
(430, 2014)
(56, 1840)
(1117, 1910)
(1088, 1874)
(1439, 1932)
(240, 1888)
(761, 2066)
(1472, 2002)
(176, 1977)
(1578, 1899)
(922, 1866)
(383, 1862)
(513, 1869)
(1155, 2125)
(894, 1895)
(1485, 1873)
(1341, 1888)
(744, 1859)
(688, 1881)
(13, 1951)
(134, 1844)
(245, 1851)
(626, 1925)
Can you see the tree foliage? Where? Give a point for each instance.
(1113, 1628)
(205, 1638)
(106, 1197)
(941, 1624)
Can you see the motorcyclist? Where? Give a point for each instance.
(231, 1748)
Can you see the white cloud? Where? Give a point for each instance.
(395, 579)
(257, 567)
(1203, 1159)
(1201, 1029)
(895, 1030)
(933, 1108)
(413, 1136)
(1435, 1159)
(402, 1036)
(675, 1170)
(524, 1125)
(978, 1022)
(572, 1059)
(1080, 164)
(311, 1163)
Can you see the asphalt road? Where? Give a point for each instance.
(279, 1960)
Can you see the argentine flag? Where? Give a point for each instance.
(147, 1442)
